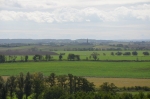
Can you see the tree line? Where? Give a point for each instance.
(70, 57)
(38, 86)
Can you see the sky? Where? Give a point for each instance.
(75, 19)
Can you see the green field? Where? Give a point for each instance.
(86, 54)
(80, 68)
(108, 56)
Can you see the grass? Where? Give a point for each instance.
(81, 68)
(120, 73)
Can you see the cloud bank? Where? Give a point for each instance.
(75, 18)
(73, 11)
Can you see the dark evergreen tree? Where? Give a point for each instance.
(20, 86)
(11, 85)
(134, 53)
(3, 89)
(28, 85)
(54, 92)
(38, 84)
(70, 79)
(60, 57)
(26, 58)
(2, 58)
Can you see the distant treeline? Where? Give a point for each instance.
(38, 86)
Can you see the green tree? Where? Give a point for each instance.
(3, 89)
(26, 58)
(11, 85)
(51, 79)
(70, 79)
(77, 57)
(28, 85)
(87, 86)
(118, 53)
(62, 81)
(38, 84)
(20, 86)
(60, 57)
(37, 57)
(48, 57)
(127, 96)
(95, 55)
(71, 56)
(134, 53)
(2, 58)
(54, 92)
(14, 58)
(112, 53)
(106, 87)
(145, 53)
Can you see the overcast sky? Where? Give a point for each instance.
(75, 19)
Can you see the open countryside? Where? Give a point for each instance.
(122, 74)
(117, 68)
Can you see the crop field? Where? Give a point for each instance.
(120, 73)
(81, 68)
(120, 82)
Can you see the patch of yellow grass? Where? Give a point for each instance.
(120, 82)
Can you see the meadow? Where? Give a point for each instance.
(80, 68)
(120, 73)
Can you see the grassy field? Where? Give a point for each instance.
(81, 68)
(120, 73)
(108, 56)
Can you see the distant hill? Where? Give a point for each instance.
(27, 41)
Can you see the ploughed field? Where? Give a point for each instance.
(96, 72)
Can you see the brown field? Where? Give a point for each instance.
(120, 82)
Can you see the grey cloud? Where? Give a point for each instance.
(48, 4)
(69, 14)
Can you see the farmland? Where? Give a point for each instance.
(95, 71)
(87, 69)
(77, 68)
(106, 66)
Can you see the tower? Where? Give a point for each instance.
(87, 41)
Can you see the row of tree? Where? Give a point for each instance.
(70, 57)
(125, 53)
(37, 86)
(135, 53)
(117, 48)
